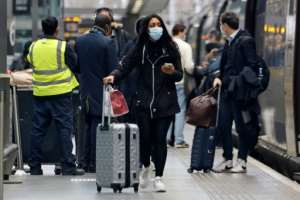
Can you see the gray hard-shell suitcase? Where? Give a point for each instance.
(117, 154)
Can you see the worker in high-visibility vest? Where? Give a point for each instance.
(53, 81)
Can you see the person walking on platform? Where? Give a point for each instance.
(96, 59)
(117, 33)
(238, 62)
(51, 60)
(128, 85)
(185, 49)
(157, 61)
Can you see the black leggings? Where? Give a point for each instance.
(153, 133)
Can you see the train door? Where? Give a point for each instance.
(238, 7)
(295, 10)
(270, 45)
(275, 37)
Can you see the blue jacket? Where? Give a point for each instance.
(97, 57)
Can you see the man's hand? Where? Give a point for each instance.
(217, 82)
(108, 80)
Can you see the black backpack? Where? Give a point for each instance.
(263, 74)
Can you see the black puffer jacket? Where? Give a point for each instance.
(155, 90)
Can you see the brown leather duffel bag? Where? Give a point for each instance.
(202, 110)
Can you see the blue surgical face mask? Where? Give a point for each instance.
(155, 33)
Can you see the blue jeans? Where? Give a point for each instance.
(179, 117)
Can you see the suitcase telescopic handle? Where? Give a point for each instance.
(106, 104)
(218, 105)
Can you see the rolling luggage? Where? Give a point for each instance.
(204, 145)
(203, 149)
(117, 153)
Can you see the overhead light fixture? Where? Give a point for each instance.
(136, 8)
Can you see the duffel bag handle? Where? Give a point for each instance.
(210, 91)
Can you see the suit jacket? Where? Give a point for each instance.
(238, 55)
(97, 57)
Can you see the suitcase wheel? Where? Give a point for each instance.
(120, 190)
(115, 189)
(136, 188)
(98, 188)
(206, 170)
(57, 170)
(190, 170)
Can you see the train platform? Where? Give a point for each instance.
(260, 183)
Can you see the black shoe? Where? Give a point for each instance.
(73, 172)
(91, 169)
(171, 143)
(36, 171)
(82, 166)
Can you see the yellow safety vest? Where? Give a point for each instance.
(51, 75)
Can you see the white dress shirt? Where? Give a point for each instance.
(232, 36)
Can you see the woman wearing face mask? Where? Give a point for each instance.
(157, 61)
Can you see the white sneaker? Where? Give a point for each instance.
(145, 177)
(240, 167)
(223, 166)
(158, 185)
(152, 166)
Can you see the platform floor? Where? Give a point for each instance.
(260, 183)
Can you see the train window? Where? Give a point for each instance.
(239, 7)
(192, 38)
(270, 39)
(207, 27)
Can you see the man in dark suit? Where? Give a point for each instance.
(117, 33)
(97, 57)
(239, 53)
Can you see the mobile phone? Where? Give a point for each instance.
(168, 65)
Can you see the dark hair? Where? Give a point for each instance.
(144, 36)
(139, 25)
(231, 19)
(49, 25)
(110, 12)
(166, 40)
(216, 34)
(102, 21)
(178, 28)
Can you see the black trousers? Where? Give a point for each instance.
(153, 134)
(246, 124)
(91, 123)
(44, 111)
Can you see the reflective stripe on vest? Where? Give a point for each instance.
(49, 72)
(67, 80)
(51, 76)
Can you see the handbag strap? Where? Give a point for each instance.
(106, 102)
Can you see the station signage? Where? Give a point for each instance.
(21, 7)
